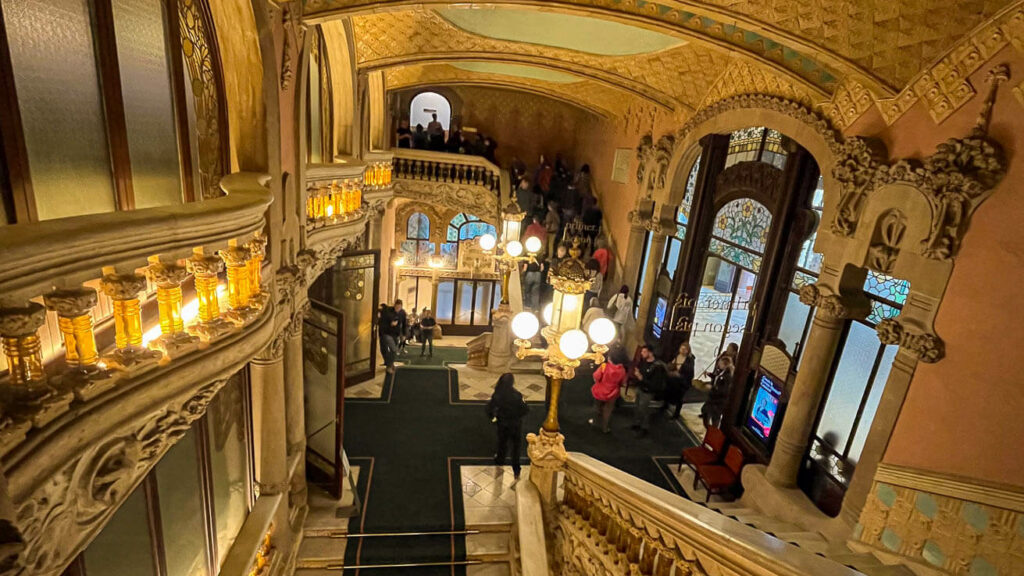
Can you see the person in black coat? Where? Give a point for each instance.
(507, 408)
(651, 375)
(680, 379)
(721, 382)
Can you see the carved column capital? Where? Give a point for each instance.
(832, 306)
(546, 450)
(925, 346)
(204, 265)
(274, 351)
(22, 320)
(236, 256)
(71, 302)
(258, 245)
(123, 286)
(166, 275)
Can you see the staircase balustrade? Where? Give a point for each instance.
(446, 168)
(610, 522)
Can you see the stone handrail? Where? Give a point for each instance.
(532, 545)
(73, 250)
(444, 167)
(616, 521)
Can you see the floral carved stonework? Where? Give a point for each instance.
(926, 347)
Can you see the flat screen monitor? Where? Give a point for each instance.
(660, 307)
(765, 407)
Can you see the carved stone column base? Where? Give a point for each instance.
(86, 385)
(207, 331)
(175, 345)
(241, 316)
(37, 403)
(133, 361)
(547, 457)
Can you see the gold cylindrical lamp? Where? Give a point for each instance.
(257, 253)
(204, 270)
(337, 200)
(236, 261)
(123, 290)
(74, 318)
(168, 279)
(511, 221)
(570, 282)
(357, 196)
(19, 328)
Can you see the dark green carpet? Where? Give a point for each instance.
(415, 487)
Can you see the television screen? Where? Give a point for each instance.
(660, 307)
(765, 407)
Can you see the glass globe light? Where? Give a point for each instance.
(487, 242)
(573, 344)
(602, 331)
(547, 311)
(514, 248)
(525, 325)
(533, 244)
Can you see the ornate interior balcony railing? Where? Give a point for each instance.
(341, 193)
(448, 168)
(610, 522)
(117, 330)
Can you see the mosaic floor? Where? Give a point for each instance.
(477, 385)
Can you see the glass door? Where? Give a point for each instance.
(464, 305)
(351, 287)
(323, 374)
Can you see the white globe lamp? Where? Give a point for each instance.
(602, 331)
(525, 325)
(547, 311)
(487, 242)
(533, 244)
(573, 344)
(514, 248)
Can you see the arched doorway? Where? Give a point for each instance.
(425, 104)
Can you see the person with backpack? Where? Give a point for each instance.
(620, 309)
(507, 408)
(651, 374)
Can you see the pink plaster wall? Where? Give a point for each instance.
(965, 414)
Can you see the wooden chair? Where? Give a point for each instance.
(709, 452)
(719, 478)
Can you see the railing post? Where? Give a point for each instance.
(130, 356)
(257, 253)
(204, 270)
(173, 340)
(28, 392)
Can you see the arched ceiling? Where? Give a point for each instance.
(678, 55)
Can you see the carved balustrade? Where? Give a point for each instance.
(61, 276)
(379, 170)
(447, 168)
(610, 522)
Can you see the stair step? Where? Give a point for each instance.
(885, 570)
(490, 569)
(489, 546)
(489, 519)
(726, 507)
(319, 547)
(810, 544)
(778, 528)
(799, 535)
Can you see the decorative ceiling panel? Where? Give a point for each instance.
(678, 77)
(587, 94)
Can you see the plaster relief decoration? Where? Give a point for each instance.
(749, 178)
(925, 346)
(71, 507)
(943, 523)
(473, 199)
(886, 241)
(954, 180)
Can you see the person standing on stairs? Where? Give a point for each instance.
(427, 324)
(388, 329)
(507, 408)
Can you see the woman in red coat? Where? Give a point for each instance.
(608, 378)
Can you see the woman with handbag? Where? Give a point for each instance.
(608, 378)
(507, 408)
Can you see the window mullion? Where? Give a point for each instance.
(113, 104)
(156, 533)
(206, 482)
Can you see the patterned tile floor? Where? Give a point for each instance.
(477, 384)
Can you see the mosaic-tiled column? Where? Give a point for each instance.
(129, 356)
(173, 340)
(204, 269)
(28, 395)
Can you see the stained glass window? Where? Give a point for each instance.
(449, 255)
(756, 144)
(892, 289)
(744, 223)
(418, 227)
(466, 226)
(683, 214)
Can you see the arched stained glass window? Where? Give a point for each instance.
(886, 294)
(683, 215)
(756, 144)
(466, 227)
(418, 227)
(741, 232)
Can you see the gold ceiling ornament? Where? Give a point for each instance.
(745, 76)
(396, 38)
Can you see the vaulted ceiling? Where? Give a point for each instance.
(678, 55)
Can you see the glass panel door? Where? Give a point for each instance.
(482, 309)
(722, 310)
(464, 303)
(323, 374)
(350, 286)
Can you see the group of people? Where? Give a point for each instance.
(395, 328)
(656, 381)
(433, 138)
(558, 197)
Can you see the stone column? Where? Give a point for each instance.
(500, 355)
(818, 354)
(657, 252)
(295, 417)
(267, 378)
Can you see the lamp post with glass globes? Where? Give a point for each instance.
(508, 254)
(567, 346)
